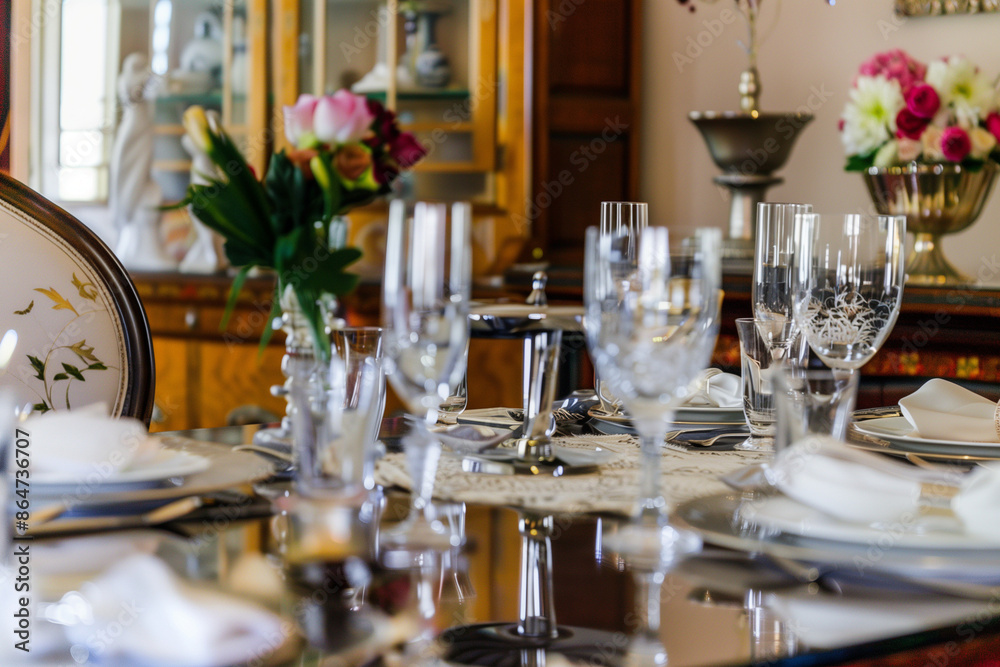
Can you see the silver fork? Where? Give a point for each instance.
(708, 442)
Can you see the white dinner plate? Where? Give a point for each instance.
(781, 513)
(166, 465)
(724, 520)
(900, 433)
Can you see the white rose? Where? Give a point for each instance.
(983, 142)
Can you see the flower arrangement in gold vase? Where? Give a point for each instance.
(347, 152)
(902, 110)
(925, 137)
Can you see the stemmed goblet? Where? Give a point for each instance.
(620, 219)
(425, 313)
(771, 293)
(651, 321)
(847, 283)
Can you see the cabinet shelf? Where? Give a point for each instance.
(421, 95)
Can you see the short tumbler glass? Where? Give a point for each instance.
(757, 364)
(813, 402)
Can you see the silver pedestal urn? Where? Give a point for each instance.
(748, 146)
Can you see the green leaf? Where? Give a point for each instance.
(265, 336)
(82, 350)
(74, 371)
(26, 310)
(860, 162)
(39, 367)
(59, 376)
(242, 254)
(97, 367)
(86, 290)
(308, 302)
(234, 293)
(42, 407)
(286, 250)
(59, 299)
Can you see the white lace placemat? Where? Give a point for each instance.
(685, 475)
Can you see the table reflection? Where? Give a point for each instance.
(308, 585)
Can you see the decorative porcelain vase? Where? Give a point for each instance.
(937, 199)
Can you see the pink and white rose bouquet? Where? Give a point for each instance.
(901, 110)
(347, 152)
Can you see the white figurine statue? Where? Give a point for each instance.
(134, 197)
(202, 256)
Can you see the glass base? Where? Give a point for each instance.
(756, 443)
(416, 536)
(649, 546)
(500, 644)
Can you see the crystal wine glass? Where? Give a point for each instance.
(626, 219)
(847, 283)
(425, 310)
(771, 295)
(651, 326)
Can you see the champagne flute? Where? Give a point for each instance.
(771, 294)
(425, 311)
(620, 218)
(847, 283)
(651, 326)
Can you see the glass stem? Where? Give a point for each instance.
(423, 455)
(647, 593)
(651, 502)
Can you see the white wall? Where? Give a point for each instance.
(813, 48)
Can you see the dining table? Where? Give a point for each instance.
(532, 581)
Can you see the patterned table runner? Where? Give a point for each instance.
(685, 475)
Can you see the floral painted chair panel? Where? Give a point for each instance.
(81, 332)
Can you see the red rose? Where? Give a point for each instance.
(909, 125)
(955, 144)
(406, 150)
(923, 101)
(993, 124)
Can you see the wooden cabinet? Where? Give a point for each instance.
(946, 332)
(585, 116)
(202, 373)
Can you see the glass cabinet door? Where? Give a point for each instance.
(97, 58)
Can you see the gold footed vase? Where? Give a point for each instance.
(937, 199)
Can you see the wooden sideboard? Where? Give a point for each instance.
(207, 377)
(945, 331)
(204, 374)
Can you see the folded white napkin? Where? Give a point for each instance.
(713, 388)
(863, 487)
(942, 410)
(86, 440)
(159, 620)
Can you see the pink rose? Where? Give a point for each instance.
(909, 125)
(931, 142)
(299, 121)
(993, 124)
(955, 144)
(923, 101)
(895, 65)
(908, 149)
(342, 118)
